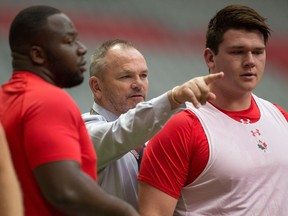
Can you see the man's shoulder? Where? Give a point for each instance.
(90, 118)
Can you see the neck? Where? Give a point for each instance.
(22, 63)
(233, 103)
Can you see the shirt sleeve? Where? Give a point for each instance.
(282, 111)
(176, 155)
(114, 139)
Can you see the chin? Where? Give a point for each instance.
(73, 83)
(133, 105)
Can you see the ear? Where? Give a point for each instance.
(37, 55)
(209, 58)
(95, 86)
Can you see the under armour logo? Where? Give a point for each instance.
(247, 121)
(256, 132)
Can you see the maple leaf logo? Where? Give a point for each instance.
(262, 145)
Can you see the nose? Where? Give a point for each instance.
(249, 61)
(82, 50)
(137, 83)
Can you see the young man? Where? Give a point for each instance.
(228, 157)
(120, 122)
(51, 150)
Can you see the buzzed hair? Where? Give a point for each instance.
(234, 17)
(26, 27)
(97, 64)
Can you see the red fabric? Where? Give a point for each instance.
(184, 142)
(282, 111)
(178, 143)
(42, 125)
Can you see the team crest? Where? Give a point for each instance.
(261, 144)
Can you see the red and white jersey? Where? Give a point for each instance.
(241, 168)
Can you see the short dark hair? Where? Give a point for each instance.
(97, 63)
(234, 17)
(27, 25)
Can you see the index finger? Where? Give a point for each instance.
(212, 77)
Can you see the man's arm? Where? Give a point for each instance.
(112, 140)
(73, 192)
(132, 129)
(154, 202)
(11, 203)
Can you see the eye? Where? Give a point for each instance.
(236, 52)
(144, 75)
(71, 40)
(125, 77)
(258, 52)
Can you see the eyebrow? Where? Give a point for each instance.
(244, 47)
(71, 32)
(131, 72)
